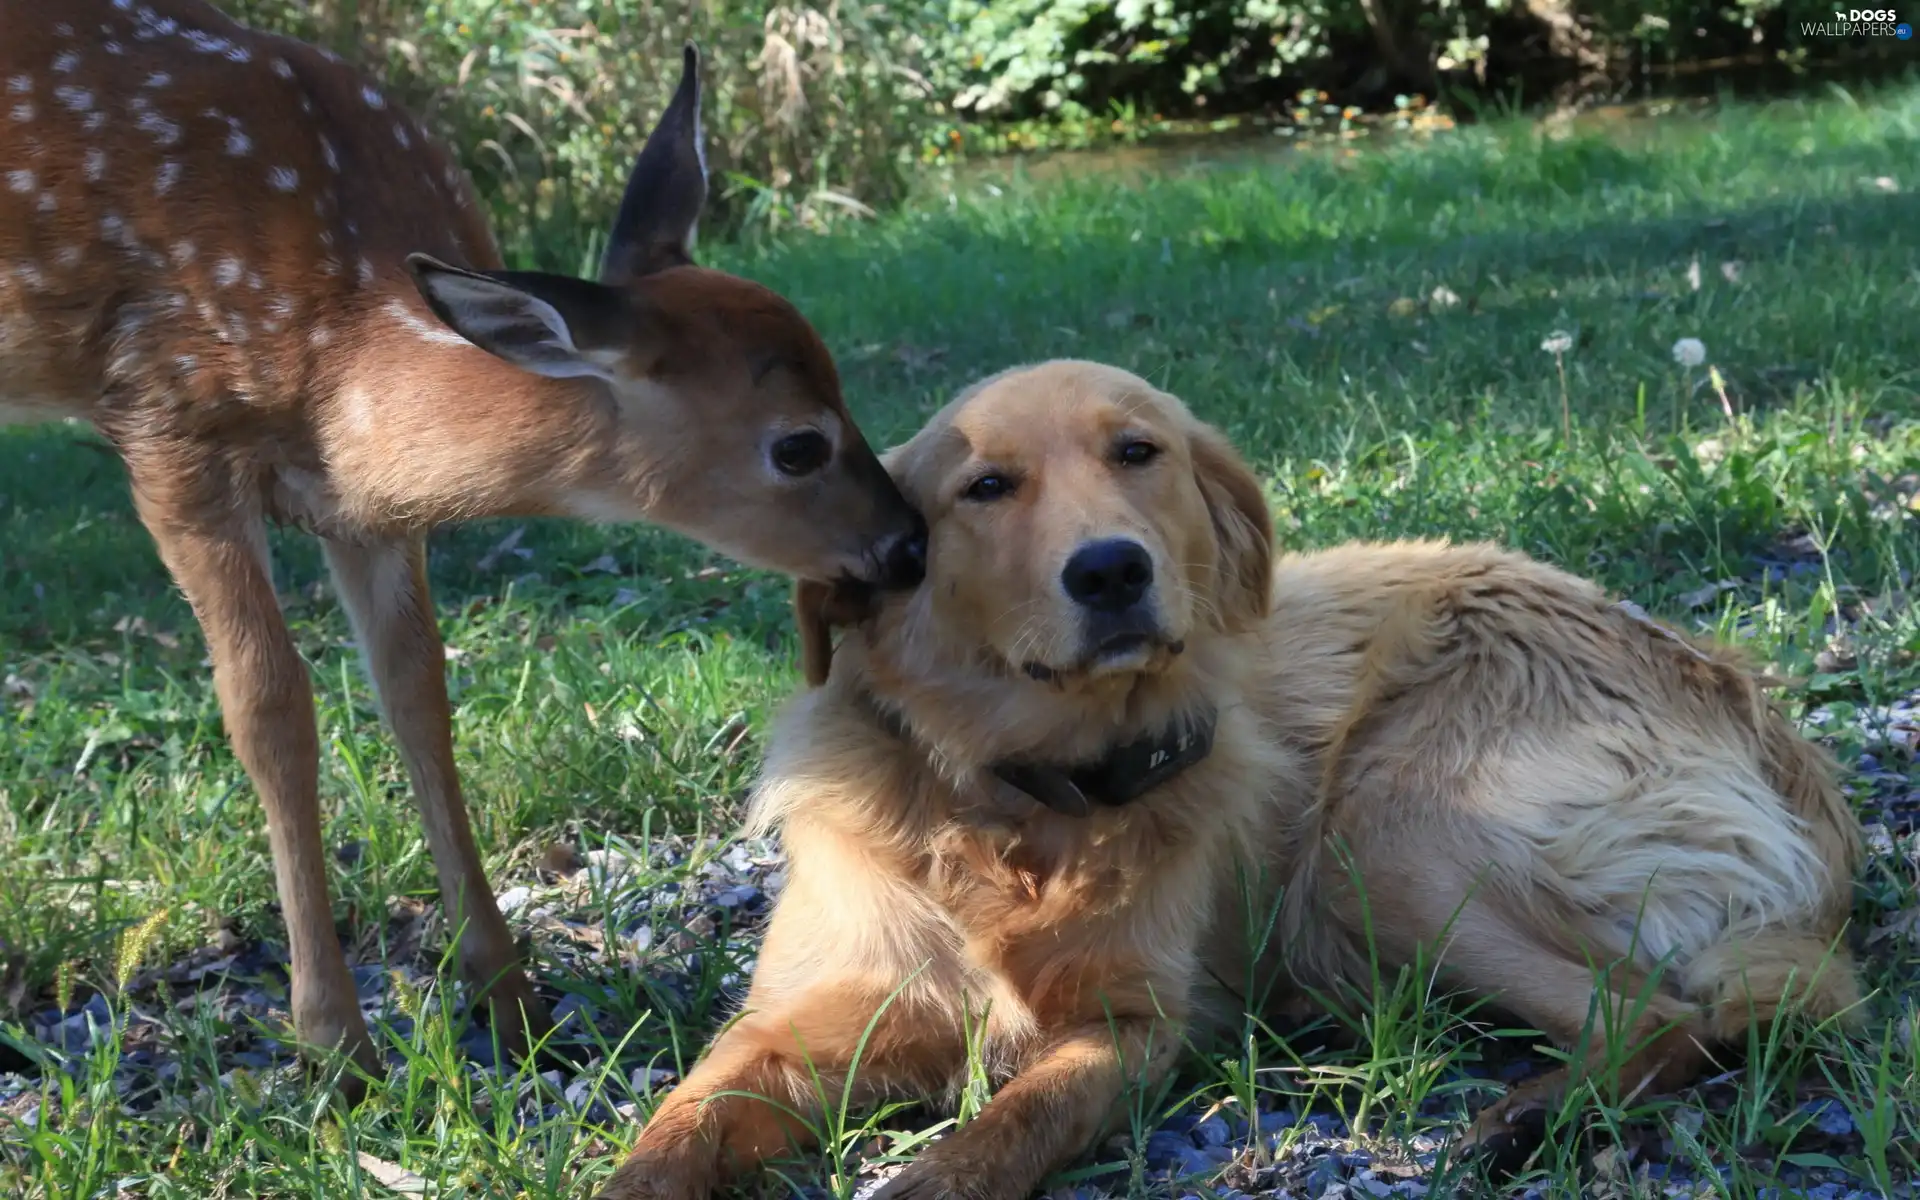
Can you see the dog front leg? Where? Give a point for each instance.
(1045, 1117)
(756, 1093)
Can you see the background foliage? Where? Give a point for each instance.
(818, 110)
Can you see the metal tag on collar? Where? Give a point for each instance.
(1139, 768)
(1055, 789)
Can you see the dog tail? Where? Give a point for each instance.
(1752, 978)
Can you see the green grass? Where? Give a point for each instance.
(1368, 328)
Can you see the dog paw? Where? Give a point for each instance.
(639, 1180)
(927, 1181)
(1506, 1132)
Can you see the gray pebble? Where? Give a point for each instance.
(1829, 1116)
(513, 899)
(1211, 1132)
(1164, 1148)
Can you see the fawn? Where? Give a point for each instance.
(273, 291)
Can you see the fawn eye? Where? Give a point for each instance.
(1134, 454)
(801, 453)
(987, 488)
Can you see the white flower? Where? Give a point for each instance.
(1557, 342)
(1689, 352)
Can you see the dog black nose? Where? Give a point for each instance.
(1110, 575)
(904, 563)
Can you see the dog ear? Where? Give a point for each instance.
(810, 601)
(1242, 527)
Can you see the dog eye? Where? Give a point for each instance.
(988, 487)
(801, 453)
(1135, 454)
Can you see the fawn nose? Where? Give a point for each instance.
(903, 563)
(1110, 575)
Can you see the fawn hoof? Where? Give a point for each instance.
(324, 1039)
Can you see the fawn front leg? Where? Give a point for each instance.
(1046, 1116)
(216, 550)
(716, 1124)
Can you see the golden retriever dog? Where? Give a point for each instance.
(1026, 803)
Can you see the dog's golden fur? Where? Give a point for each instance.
(1526, 777)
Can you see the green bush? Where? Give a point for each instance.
(809, 110)
(1031, 57)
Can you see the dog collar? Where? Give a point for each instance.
(1121, 776)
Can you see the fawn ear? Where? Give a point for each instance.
(551, 325)
(810, 599)
(660, 211)
(817, 609)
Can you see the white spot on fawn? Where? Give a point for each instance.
(426, 331)
(326, 237)
(115, 229)
(164, 131)
(329, 266)
(76, 99)
(29, 275)
(169, 175)
(66, 61)
(239, 54)
(228, 272)
(329, 153)
(20, 181)
(23, 111)
(68, 257)
(158, 79)
(283, 179)
(320, 335)
(238, 143)
(400, 135)
(183, 253)
(19, 85)
(115, 49)
(205, 42)
(94, 121)
(254, 281)
(96, 164)
(365, 272)
(48, 201)
(373, 98)
(282, 67)
(62, 29)
(186, 363)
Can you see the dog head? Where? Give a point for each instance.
(1084, 528)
